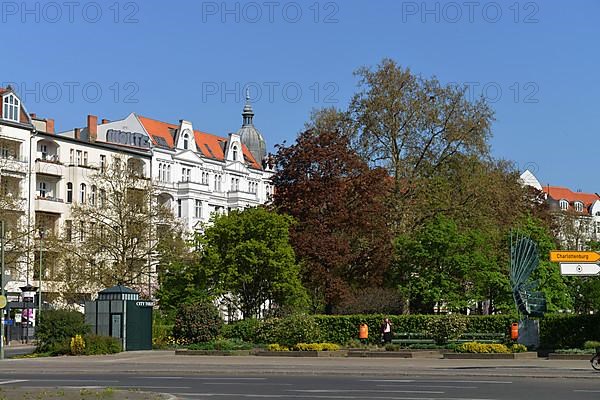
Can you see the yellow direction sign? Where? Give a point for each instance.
(2, 301)
(574, 256)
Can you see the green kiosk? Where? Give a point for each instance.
(119, 312)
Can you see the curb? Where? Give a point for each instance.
(491, 356)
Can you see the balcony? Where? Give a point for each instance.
(49, 167)
(13, 163)
(52, 205)
(193, 186)
(236, 196)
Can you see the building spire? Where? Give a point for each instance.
(248, 113)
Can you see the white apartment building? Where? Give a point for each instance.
(196, 173)
(576, 213)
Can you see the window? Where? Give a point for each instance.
(69, 192)
(82, 194)
(235, 153)
(4, 152)
(44, 151)
(81, 231)
(186, 139)
(93, 196)
(168, 173)
(102, 197)
(102, 163)
(186, 174)
(578, 206)
(564, 205)
(85, 158)
(205, 178)
(42, 189)
(68, 230)
(179, 208)
(71, 156)
(198, 209)
(217, 183)
(11, 108)
(78, 157)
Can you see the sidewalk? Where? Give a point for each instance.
(166, 362)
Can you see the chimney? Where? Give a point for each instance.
(49, 125)
(92, 125)
(105, 121)
(77, 132)
(33, 115)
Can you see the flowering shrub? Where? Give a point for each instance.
(474, 347)
(316, 347)
(518, 348)
(77, 345)
(277, 347)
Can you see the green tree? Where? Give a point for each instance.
(450, 267)
(414, 127)
(248, 255)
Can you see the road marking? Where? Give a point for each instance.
(76, 380)
(586, 391)
(363, 391)
(491, 382)
(248, 383)
(13, 381)
(430, 386)
(307, 396)
(388, 380)
(203, 379)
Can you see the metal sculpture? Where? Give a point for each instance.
(524, 259)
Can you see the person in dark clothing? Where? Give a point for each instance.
(386, 331)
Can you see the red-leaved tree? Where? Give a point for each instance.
(341, 236)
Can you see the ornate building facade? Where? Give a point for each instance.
(43, 173)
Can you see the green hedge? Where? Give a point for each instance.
(341, 329)
(567, 331)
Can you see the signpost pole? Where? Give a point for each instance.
(2, 289)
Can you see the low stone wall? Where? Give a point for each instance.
(309, 353)
(561, 356)
(490, 356)
(185, 352)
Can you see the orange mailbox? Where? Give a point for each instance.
(514, 331)
(363, 331)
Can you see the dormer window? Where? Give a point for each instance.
(186, 141)
(564, 205)
(11, 108)
(235, 153)
(578, 206)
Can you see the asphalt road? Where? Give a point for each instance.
(322, 387)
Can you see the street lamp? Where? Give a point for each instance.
(40, 276)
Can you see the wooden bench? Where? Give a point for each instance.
(481, 337)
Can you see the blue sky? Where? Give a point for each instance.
(536, 61)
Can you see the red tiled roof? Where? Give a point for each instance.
(158, 128)
(561, 193)
(209, 145)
